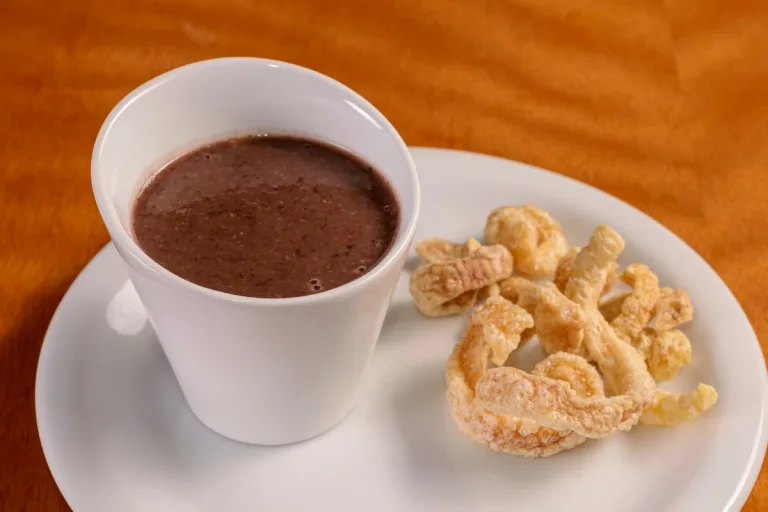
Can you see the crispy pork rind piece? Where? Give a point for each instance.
(467, 365)
(671, 409)
(623, 367)
(638, 307)
(560, 318)
(565, 269)
(592, 266)
(524, 293)
(555, 404)
(521, 292)
(673, 309)
(610, 307)
(490, 291)
(502, 326)
(457, 306)
(666, 353)
(548, 402)
(575, 370)
(534, 238)
(439, 250)
(446, 288)
(559, 323)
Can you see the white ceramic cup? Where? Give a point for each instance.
(263, 371)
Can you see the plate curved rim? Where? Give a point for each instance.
(749, 474)
(41, 411)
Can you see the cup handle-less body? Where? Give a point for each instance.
(270, 376)
(263, 371)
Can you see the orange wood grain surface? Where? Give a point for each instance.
(661, 103)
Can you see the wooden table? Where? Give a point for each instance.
(663, 104)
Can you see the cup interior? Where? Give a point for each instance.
(222, 98)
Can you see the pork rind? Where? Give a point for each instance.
(623, 368)
(502, 326)
(554, 404)
(493, 290)
(524, 293)
(534, 238)
(564, 400)
(521, 292)
(592, 267)
(559, 323)
(666, 350)
(439, 250)
(639, 305)
(565, 269)
(673, 309)
(468, 364)
(576, 371)
(610, 308)
(666, 353)
(671, 409)
(450, 287)
(560, 318)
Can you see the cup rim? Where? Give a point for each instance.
(119, 234)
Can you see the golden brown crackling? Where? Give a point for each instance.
(610, 307)
(559, 323)
(556, 404)
(439, 250)
(638, 307)
(582, 376)
(460, 304)
(436, 284)
(565, 269)
(623, 367)
(524, 293)
(534, 238)
(591, 267)
(674, 308)
(666, 352)
(502, 326)
(466, 365)
(520, 291)
(671, 409)
(549, 402)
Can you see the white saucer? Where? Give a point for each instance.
(118, 435)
